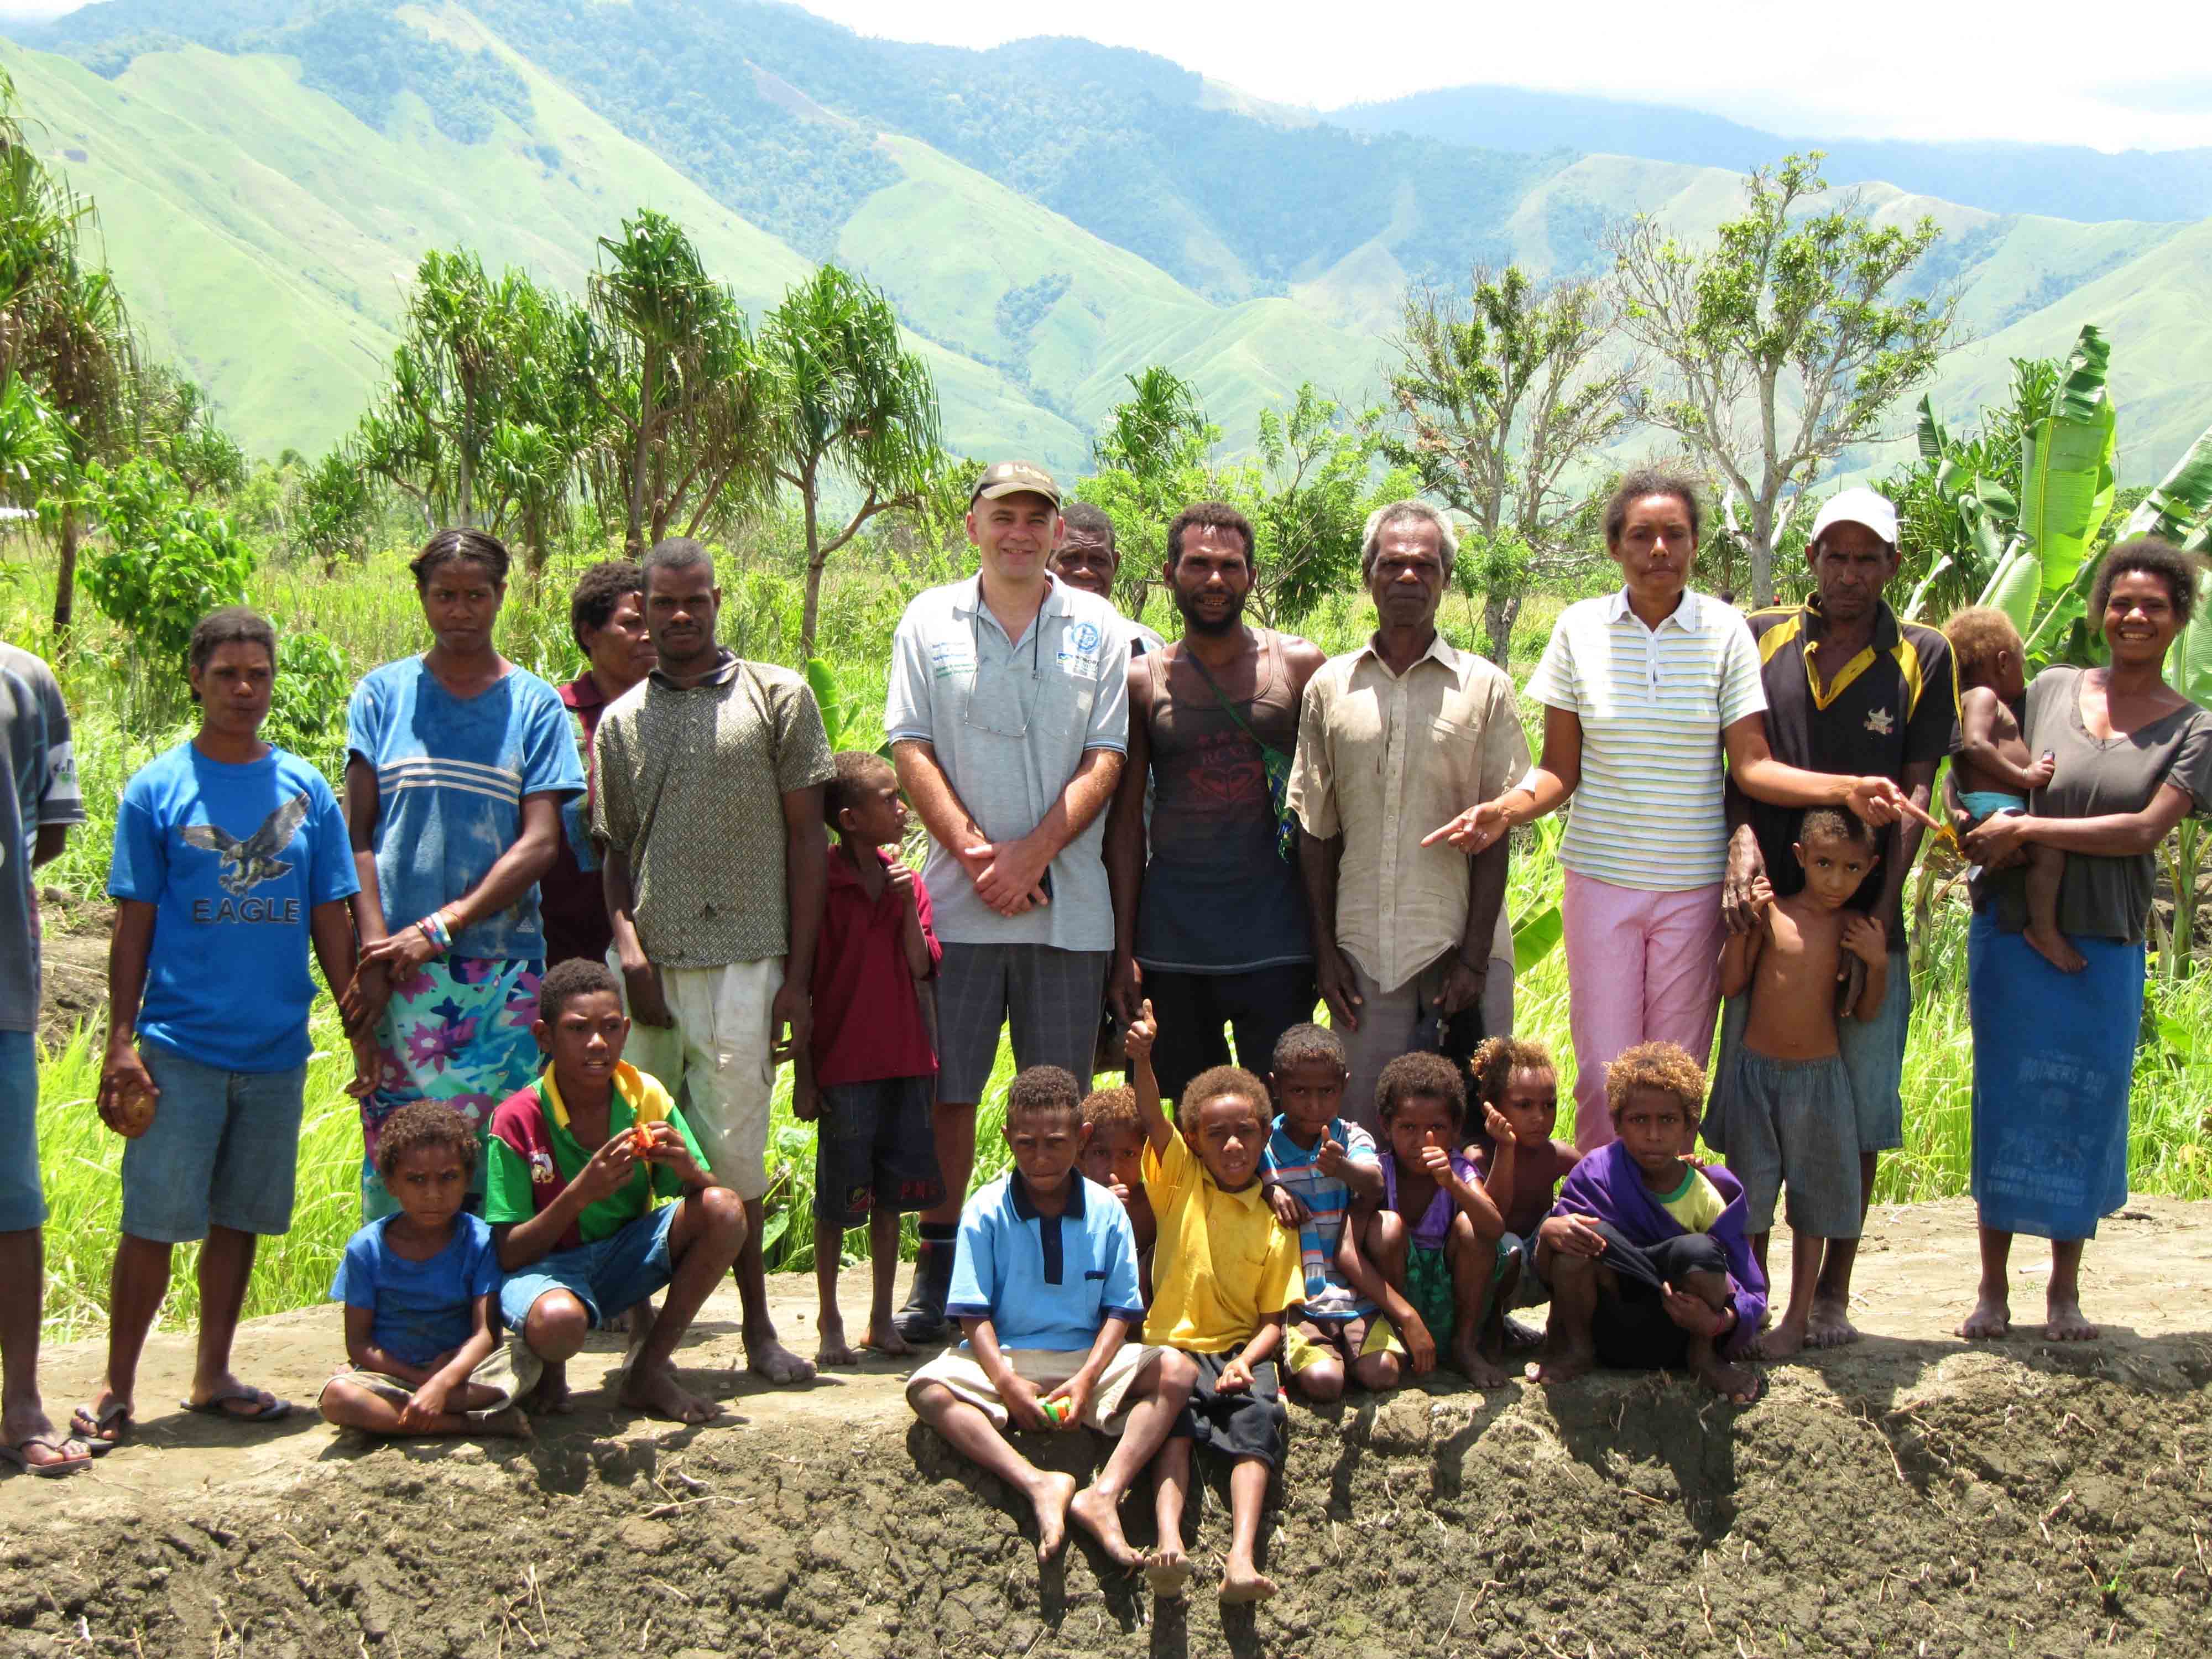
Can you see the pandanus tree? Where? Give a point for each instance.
(852, 405)
(674, 378)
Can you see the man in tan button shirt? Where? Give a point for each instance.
(1390, 738)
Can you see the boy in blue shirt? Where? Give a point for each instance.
(231, 867)
(420, 1289)
(1044, 1285)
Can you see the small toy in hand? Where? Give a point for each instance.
(1055, 1411)
(641, 1139)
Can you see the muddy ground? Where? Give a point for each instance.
(1910, 1495)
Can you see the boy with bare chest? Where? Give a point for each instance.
(1790, 1116)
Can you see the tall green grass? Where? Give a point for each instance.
(372, 615)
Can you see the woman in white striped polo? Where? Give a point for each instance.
(1643, 691)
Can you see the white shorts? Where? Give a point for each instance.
(958, 1369)
(715, 1061)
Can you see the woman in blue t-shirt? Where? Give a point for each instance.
(457, 763)
(231, 860)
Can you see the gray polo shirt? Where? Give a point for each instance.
(1010, 722)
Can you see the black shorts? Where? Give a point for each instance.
(1248, 1423)
(875, 1148)
(1631, 1330)
(1193, 1010)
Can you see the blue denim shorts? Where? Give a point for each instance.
(608, 1276)
(222, 1151)
(22, 1200)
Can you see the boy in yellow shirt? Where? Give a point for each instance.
(1224, 1275)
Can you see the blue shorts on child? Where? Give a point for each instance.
(608, 1275)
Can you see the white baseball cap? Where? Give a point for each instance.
(1860, 505)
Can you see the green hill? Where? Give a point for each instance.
(1048, 217)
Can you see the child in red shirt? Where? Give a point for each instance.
(868, 1078)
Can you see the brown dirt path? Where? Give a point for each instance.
(1909, 1494)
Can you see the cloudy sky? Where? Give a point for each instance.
(1907, 69)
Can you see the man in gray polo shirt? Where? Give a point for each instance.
(1008, 717)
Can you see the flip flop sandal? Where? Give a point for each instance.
(92, 1428)
(267, 1412)
(53, 1443)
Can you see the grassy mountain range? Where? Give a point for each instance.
(1048, 215)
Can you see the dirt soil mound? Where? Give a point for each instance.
(1908, 1495)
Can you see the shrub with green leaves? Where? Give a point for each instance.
(163, 563)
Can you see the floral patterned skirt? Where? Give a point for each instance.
(458, 1031)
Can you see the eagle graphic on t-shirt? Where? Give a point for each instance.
(247, 864)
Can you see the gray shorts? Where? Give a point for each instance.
(1874, 1055)
(1047, 999)
(1791, 1122)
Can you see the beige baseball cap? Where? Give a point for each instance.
(1014, 478)
(1859, 505)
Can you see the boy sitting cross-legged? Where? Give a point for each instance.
(582, 1163)
(1224, 1275)
(1317, 1166)
(420, 1289)
(1044, 1285)
(1429, 1250)
(868, 1074)
(1645, 1252)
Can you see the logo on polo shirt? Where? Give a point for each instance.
(1079, 646)
(1880, 721)
(541, 1172)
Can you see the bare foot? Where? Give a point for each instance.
(513, 1424)
(1830, 1326)
(1096, 1513)
(1469, 1361)
(1991, 1321)
(552, 1398)
(2066, 1322)
(1737, 1384)
(769, 1358)
(1522, 1335)
(883, 1337)
(1785, 1341)
(1167, 1571)
(833, 1349)
(1051, 1497)
(2051, 946)
(654, 1389)
(1563, 1365)
(1242, 1584)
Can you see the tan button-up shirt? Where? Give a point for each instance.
(1383, 759)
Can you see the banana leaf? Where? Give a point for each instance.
(2067, 476)
(1927, 582)
(2181, 497)
(2014, 584)
(1933, 441)
(823, 678)
(2189, 664)
(1535, 937)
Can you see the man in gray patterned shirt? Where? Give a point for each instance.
(708, 803)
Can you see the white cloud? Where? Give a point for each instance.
(1890, 69)
(1902, 68)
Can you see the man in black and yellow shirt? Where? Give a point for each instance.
(1848, 688)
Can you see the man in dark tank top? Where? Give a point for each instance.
(1210, 918)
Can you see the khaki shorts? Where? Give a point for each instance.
(715, 1061)
(957, 1370)
(510, 1371)
(1301, 1351)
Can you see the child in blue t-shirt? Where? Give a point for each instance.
(420, 1289)
(1315, 1164)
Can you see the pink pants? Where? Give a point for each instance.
(1641, 968)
